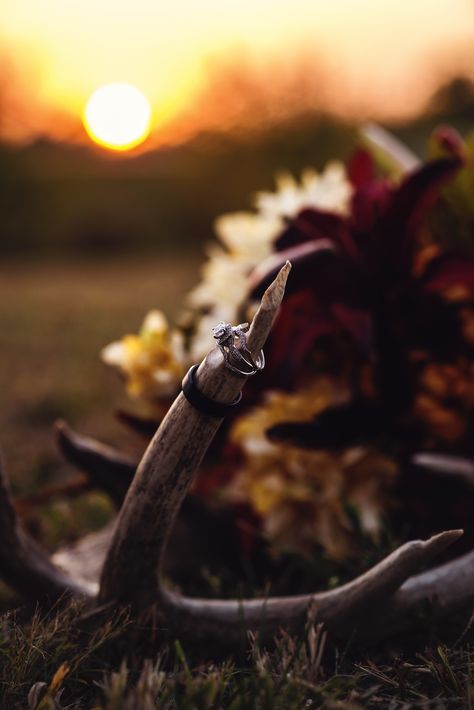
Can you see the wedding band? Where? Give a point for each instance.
(201, 402)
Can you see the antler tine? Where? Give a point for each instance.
(444, 590)
(23, 564)
(377, 605)
(132, 567)
(107, 468)
(342, 610)
(267, 310)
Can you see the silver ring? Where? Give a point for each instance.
(226, 334)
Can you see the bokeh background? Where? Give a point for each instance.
(91, 239)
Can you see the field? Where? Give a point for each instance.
(56, 316)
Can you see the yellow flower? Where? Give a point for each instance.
(152, 362)
(302, 495)
(446, 398)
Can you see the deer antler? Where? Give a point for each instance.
(131, 573)
(107, 469)
(23, 564)
(133, 564)
(446, 589)
(342, 610)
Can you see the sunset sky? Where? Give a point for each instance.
(213, 63)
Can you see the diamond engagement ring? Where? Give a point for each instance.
(235, 357)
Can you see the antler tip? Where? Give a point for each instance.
(437, 543)
(284, 271)
(273, 296)
(449, 534)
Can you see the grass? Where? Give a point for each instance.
(44, 661)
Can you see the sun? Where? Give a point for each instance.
(117, 116)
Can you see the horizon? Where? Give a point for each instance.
(354, 60)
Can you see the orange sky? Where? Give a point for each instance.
(215, 63)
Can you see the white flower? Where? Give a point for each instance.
(329, 191)
(224, 281)
(248, 236)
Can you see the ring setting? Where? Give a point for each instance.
(236, 358)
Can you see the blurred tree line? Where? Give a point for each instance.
(59, 198)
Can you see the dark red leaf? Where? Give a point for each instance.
(320, 265)
(300, 323)
(448, 270)
(358, 323)
(369, 202)
(409, 206)
(303, 258)
(311, 225)
(450, 142)
(361, 168)
(335, 428)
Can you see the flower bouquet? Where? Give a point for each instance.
(362, 421)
